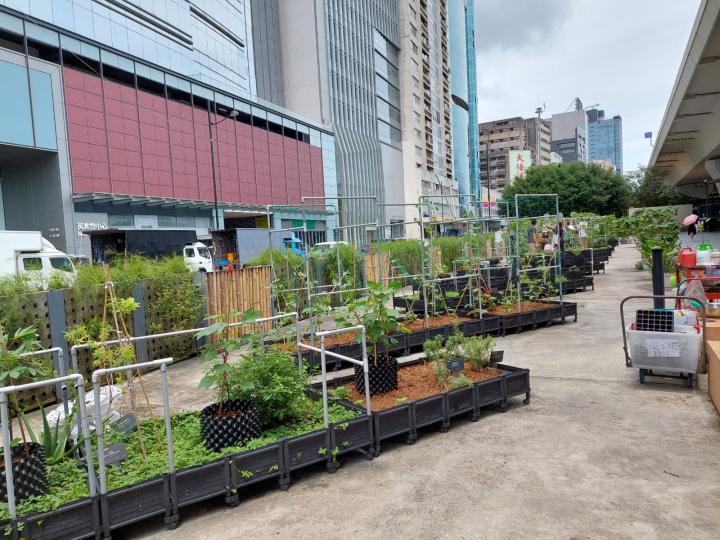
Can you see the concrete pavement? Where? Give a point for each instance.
(594, 455)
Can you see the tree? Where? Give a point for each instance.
(581, 187)
(649, 190)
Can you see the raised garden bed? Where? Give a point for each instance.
(202, 474)
(419, 401)
(533, 314)
(437, 325)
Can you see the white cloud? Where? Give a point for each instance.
(622, 54)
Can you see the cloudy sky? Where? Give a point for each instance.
(622, 54)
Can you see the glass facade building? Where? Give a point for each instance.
(99, 138)
(207, 40)
(463, 86)
(605, 138)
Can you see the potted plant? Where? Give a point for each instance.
(380, 324)
(227, 422)
(29, 472)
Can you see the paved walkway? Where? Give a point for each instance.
(594, 455)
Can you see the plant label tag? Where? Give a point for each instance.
(114, 453)
(455, 364)
(126, 423)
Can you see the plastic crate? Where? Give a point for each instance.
(654, 320)
(677, 351)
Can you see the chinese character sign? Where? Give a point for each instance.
(518, 163)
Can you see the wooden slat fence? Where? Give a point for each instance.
(238, 291)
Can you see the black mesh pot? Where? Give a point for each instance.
(29, 473)
(239, 423)
(382, 376)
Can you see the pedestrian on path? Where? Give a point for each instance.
(692, 231)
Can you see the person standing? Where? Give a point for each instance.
(692, 230)
(582, 234)
(531, 235)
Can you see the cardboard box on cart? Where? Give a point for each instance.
(713, 371)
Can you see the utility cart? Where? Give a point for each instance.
(661, 340)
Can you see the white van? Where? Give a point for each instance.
(197, 257)
(28, 254)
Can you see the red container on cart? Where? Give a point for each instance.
(687, 257)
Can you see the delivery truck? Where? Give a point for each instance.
(28, 254)
(235, 247)
(152, 243)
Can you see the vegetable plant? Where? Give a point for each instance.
(217, 351)
(372, 311)
(17, 368)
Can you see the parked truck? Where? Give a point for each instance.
(28, 254)
(152, 243)
(235, 247)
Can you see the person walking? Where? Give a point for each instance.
(559, 236)
(692, 231)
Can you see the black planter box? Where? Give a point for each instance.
(307, 449)
(415, 339)
(430, 410)
(516, 382)
(460, 401)
(488, 393)
(72, 521)
(407, 418)
(356, 434)
(202, 482)
(135, 503)
(257, 465)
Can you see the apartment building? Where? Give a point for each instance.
(497, 139)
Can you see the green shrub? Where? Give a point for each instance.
(405, 255)
(451, 249)
(273, 381)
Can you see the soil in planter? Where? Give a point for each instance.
(416, 382)
(525, 307)
(435, 321)
(239, 423)
(29, 472)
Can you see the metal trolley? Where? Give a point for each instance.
(678, 352)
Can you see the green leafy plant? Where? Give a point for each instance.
(477, 351)
(459, 381)
(380, 321)
(273, 381)
(216, 352)
(16, 367)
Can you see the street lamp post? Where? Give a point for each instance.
(211, 124)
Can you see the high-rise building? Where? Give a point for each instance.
(569, 134)
(497, 139)
(539, 132)
(463, 85)
(426, 105)
(378, 72)
(141, 115)
(605, 138)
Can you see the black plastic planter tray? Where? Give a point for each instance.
(202, 482)
(72, 521)
(135, 503)
(516, 382)
(406, 419)
(258, 465)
